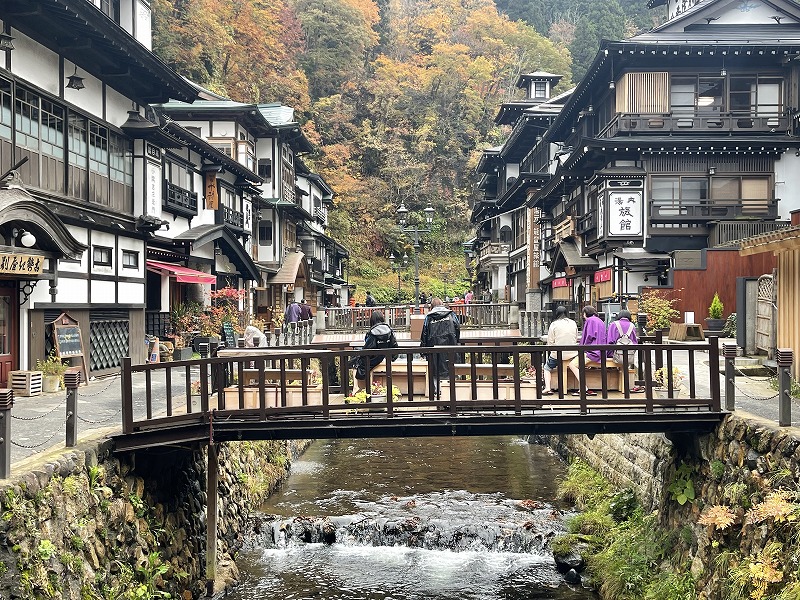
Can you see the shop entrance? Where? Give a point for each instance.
(8, 328)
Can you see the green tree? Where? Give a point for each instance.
(602, 20)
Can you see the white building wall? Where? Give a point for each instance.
(104, 292)
(787, 182)
(39, 65)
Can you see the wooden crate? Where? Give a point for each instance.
(25, 383)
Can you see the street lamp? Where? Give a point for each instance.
(398, 267)
(402, 218)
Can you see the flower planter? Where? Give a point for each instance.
(182, 354)
(715, 324)
(51, 383)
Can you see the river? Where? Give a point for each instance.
(464, 518)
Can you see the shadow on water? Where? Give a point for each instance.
(411, 519)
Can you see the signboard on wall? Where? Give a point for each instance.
(21, 264)
(212, 194)
(154, 181)
(625, 214)
(560, 282)
(602, 275)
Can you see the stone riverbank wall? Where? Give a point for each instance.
(742, 466)
(92, 525)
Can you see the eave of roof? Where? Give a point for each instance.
(246, 114)
(79, 31)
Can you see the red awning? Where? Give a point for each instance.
(181, 274)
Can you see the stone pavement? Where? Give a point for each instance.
(38, 425)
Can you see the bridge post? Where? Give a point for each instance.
(126, 381)
(784, 358)
(6, 404)
(212, 479)
(72, 379)
(729, 352)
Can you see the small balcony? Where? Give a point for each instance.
(712, 210)
(587, 222)
(234, 218)
(179, 201)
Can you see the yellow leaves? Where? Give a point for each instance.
(720, 517)
(776, 506)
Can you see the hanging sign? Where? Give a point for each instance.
(212, 195)
(21, 264)
(560, 282)
(625, 214)
(602, 275)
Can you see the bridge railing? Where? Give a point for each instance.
(354, 319)
(504, 376)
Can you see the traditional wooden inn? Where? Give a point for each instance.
(677, 143)
(114, 210)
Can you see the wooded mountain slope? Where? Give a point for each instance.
(398, 96)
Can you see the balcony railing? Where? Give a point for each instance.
(727, 122)
(587, 222)
(725, 233)
(232, 217)
(712, 210)
(179, 201)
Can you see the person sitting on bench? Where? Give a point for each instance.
(563, 331)
(594, 334)
(622, 328)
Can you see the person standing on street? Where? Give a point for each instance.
(305, 311)
(370, 300)
(380, 335)
(292, 313)
(440, 328)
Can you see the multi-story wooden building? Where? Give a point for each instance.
(675, 144)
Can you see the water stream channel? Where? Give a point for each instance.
(411, 519)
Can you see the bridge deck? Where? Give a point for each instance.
(298, 393)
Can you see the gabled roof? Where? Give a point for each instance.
(742, 14)
(220, 109)
(228, 242)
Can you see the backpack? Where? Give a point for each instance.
(624, 340)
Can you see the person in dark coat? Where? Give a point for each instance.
(305, 311)
(370, 300)
(440, 328)
(292, 313)
(380, 335)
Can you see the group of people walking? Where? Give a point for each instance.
(563, 331)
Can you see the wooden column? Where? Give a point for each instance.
(212, 477)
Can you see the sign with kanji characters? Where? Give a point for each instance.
(21, 264)
(560, 282)
(212, 194)
(602, 275)
(625, 214)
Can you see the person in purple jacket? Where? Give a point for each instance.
(594, 333)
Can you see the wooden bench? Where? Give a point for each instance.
(594, 378)
(419, 376)
(483, 370)
(251, 375)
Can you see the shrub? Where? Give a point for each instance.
(715, 308)
(660, 309)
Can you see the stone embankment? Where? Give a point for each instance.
(741, 487)
(90, 524)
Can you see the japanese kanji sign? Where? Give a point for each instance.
(21, 264)
(625, 214)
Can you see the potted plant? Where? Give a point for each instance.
(715, 322)
(53, 370)
(661, 379)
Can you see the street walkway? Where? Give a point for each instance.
(38, 425)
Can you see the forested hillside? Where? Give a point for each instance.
(398, 96)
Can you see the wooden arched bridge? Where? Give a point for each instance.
(495, 387)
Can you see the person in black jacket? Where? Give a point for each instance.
(440, 328)
(380, 335)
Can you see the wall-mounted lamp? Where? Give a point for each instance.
(6, 42)
(26, 238)
(723, 72)
(611, 84)
(712, 170)
(74, 81)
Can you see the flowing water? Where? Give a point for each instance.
(411, 519)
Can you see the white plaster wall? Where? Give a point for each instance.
(126, 15)
(131, 293)
(35, 63)
(117, 107)
(223, 129)
(787, 182)
(74, 291)
(144, 28)
(139, 181)
(104, 292)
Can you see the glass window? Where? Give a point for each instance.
(52, 130)
(265, 169)
(539, 89)
(101, 256)
(682, 95)
(130, 259)
(755, 188)
(6, 120)
(27, 123)
(265, 232)
(78, 145)
(710, 94)
(725, 188)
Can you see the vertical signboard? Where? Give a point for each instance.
(625, 214)
(212, 194)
